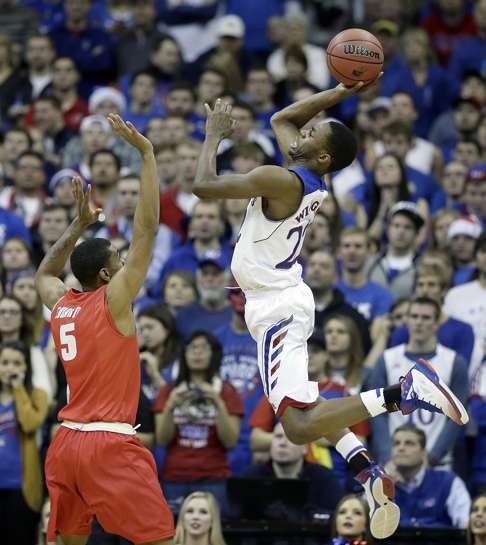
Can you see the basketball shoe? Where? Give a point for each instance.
(380, 489)
(422, 388)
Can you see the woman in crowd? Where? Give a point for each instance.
(197, 420)
(15, 326)
(439, 226)
(23, 409)
(16, 256)
(178, 290)
(22, 287)
(476, 530)
(199, 521)
(350, 524)
(344, 352)
(159, 347)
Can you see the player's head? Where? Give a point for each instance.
(326, 147)
(94, 262)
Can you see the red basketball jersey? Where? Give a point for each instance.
(101, 365)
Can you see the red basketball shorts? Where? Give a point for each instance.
(110, 475)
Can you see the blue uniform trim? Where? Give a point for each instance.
(312, 182)
(267, 339)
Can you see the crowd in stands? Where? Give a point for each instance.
(396, 256)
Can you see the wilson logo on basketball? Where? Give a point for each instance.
(350, 49)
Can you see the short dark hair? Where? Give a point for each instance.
(342, 146)
(238, 103)
(427, 301)
(182, 85)
(418, 432)
(31, 153)
(54, 205)
(20, 130)
(88, 258)
(143, 72)
(395, 128)
(53, 101)
(102, 152)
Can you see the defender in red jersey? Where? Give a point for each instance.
(96, 465)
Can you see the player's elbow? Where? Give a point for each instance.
(202, 190)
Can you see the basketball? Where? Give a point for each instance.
(354, 55)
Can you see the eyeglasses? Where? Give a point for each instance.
(9, 312)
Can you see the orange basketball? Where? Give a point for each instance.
(354, 55)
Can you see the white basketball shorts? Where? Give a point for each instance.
(281, 322)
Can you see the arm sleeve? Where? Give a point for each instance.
(458, 504)
(451, 431)
(232, 400)
(466, 342)
(161, 399)
(31, 408)
(263, 416)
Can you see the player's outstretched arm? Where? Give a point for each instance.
(49, 286)
(269, 181)
(287, 122)
(125, 285)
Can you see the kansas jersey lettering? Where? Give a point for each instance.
(266, 253)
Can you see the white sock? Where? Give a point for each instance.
(349, 445)
(374, 401)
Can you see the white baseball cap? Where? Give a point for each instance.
(231, 26)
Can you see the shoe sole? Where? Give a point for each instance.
(457, 412)
(386, 517)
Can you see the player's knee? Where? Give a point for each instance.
(294, 432)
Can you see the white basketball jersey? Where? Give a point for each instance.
(397, 365)
(266, 251)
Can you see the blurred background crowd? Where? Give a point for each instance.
(396, 257)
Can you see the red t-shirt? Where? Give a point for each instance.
(102, 366)
(170, 213)
(196, 452)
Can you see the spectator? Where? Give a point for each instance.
(423, 323)
(394, 268)
(476, 526)
(467, 151)
(199, 521)
(369, 298)
(320, 275)
(344, 353)
(15, 142)
(455, 334)
(205, 238)
(104, 167)
(89, 46)
(60, 189)
(178, 290)
(427, 497)
(474, 198)
(212, 310)
(11, 225)
(287, 462)
(177, 201)
(426, 83)
(210, 85)
(462, 236)
(239, 368)
(471, 52)
(107, 100)
(296, 68)
(478, 413)
(23, 408)
(18, 22)
(26, 196)
(244, 132)
(197, 420)
(10, 79)
(65, 81)
(439, 227)
(453, 183)
(166, 160)
(159, 348)
(121, 224)
(176, 129)
(448, 24)
(350, 523)
(143, 101)
(54, 220)
(296, 35)
(16, 256)
(468, 303)
(133, 46)
(180, 100)
(259, 93)
(22, 287)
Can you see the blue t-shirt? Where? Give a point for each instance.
(455, 334)
(195, 317)
(10, 454)
(371, 300)
(462, 275)
(239, 367)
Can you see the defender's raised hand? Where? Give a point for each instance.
(129, 133)
(219, 123)
(86, 213)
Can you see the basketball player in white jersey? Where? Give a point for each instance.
(280, 307)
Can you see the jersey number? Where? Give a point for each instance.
(69, 350)
(300, 231)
